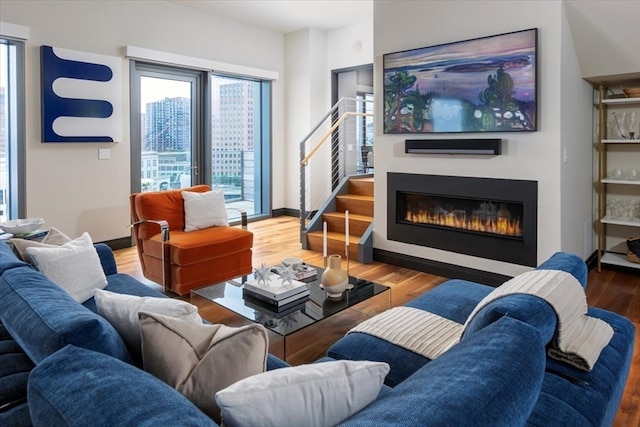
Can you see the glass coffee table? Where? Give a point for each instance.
(296, 316)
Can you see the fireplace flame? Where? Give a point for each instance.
(460, 220)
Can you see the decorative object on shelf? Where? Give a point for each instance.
(19, 227)
(334, 279)
(631, 92)
(633, 252)
(632, 125)
(622, 123)
(263, 274)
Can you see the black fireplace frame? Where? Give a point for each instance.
(516, 251)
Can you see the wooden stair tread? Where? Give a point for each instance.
(335, 236)
(355, 197)
(352, 217)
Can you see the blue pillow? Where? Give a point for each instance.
(77, 387)
(43, 318)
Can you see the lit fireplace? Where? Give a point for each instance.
(473, 215)
(484, 217)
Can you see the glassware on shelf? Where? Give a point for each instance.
(632, 125)
(622, 124)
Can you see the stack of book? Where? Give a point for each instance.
(306, 273)
(276, 296)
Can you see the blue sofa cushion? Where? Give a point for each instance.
(493, 378)
(8, 259)
(112, 393)
(124, 284)
(15, 366)
(43, 318)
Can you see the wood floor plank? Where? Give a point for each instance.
(612, 289)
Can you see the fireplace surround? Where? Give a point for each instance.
(485, 217)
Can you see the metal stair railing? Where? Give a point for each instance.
(329, 164)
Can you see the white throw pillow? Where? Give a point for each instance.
(321, 394)
(122, 312)
(74, 266)
(204, 210)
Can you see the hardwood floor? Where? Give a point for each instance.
(275, 238)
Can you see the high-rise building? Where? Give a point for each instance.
(168, 125)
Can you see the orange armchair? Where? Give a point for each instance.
(183, 260)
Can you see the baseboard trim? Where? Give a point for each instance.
(592, 261)
(438, 268)
(285, 212)
(120, 243)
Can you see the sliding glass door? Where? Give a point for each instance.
(191, 127)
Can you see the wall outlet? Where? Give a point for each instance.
(104, 153)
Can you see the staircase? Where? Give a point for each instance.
(357, 198)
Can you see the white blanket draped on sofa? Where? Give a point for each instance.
(579, 339)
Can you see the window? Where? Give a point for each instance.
(187, 124)
(12, 130)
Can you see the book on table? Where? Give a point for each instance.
(275, 312)
(304, 293)
(275, 289)
(305, 273)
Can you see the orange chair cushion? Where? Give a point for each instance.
(192, 247)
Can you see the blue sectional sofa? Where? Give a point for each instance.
(61, 364)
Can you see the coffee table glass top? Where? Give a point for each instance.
(294, 316)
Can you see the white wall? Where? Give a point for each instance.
(606, 36)
(66, 183)
(401, 25)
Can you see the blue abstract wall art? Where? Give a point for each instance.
(81, 96)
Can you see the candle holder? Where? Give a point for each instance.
(349, 284)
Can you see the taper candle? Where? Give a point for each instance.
(346, 227)
(324, 239)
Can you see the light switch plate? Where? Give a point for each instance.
(104, 153)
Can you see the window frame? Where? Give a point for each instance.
(16, 132)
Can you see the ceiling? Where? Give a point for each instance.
(286, 16)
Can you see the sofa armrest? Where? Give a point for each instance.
(569, 263)
(107, 259)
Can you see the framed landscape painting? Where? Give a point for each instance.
(486, 84)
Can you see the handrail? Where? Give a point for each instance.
(321, 121)
(305, 161)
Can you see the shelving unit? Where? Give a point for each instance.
(610, 249)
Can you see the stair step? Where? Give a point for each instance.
(355, 204)
(361, 186)
(358, 224)
(335, 243)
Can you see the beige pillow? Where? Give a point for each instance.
(122, 312)
(204, 210)
(320, 394)
(74, 266)
(198, 360)
(53, 238)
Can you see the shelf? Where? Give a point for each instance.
(635, 222)
(621, 141)
(618, 259)
(620, 181)
(621, 101)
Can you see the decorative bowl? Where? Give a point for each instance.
(19, 227)
(632, 92)
(293, 262)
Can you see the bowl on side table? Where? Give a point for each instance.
(19, 227)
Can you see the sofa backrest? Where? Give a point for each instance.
(493, 378)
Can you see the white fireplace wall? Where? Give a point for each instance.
(564, 194)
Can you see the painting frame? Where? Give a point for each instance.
(486, 84)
